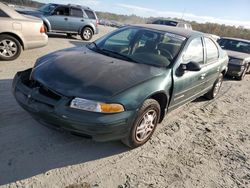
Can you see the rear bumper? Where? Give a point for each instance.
(57, 113)
(38, 42)
(235, 70)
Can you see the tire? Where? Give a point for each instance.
(86, 34)
(71, 35)
(10, 48)
(241, 77)
(143, 126)
(215, 89)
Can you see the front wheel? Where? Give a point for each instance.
(144, 125)
(87, 34)
(216, 88)
(10, 48)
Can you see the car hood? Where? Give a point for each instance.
(238, 55)
(80, 72)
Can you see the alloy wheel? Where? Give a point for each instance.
(8, 48)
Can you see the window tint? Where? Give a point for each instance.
(212, 50)
(62, 11)
(76, 12)
(90, 14)
(3, 14)
(194, 52)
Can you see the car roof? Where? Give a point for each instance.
(10, 11)
(73, 5)
(171, 20)
(232, 38)
(175, 30)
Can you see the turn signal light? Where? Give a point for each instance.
(42, 29)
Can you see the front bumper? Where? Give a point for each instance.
(235, 70)
(53, 109)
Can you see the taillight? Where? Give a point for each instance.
(97, 22)
(42, 29)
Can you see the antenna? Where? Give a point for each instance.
(183, 13)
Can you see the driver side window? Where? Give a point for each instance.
(61, 11)
(194, 52)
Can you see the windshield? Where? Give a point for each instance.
(47, 8)
(235, 45)
(140, 45)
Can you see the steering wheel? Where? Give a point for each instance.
(166, 53)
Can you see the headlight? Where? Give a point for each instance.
(94, 106)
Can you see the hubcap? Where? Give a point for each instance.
(87, 34)
(8, 48)
(217, 87)
(146, 126)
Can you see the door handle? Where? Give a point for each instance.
(66, 19)
(203, 75)
(82, 20)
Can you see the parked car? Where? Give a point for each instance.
(173, 23)
(19, 33)
(69, 19)
(122, 85)
(239, 56)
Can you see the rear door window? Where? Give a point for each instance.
(212, 50)
(90, 14)
(76, 12)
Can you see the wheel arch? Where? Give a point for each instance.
(163, 99)
(89, 26)
(15, 36)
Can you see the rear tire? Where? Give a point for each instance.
(215, 89)
(10, 48)
(86, 34)
(144, 125)
(241, 77)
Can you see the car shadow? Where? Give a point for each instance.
(60, 35)
(28, 148)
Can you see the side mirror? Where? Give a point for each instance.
(191, 66)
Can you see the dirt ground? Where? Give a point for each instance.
(202, 144)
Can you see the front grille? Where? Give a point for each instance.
(49, 93)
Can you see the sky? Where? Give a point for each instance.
(229, 12)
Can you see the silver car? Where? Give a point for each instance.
(18, 32)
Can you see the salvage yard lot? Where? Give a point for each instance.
(203, 144)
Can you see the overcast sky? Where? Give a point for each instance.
(230, 12)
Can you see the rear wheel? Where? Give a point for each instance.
(87, 34)
(71, 35)
(10, 48)
(216, 88)
(243, 74)
(144, 125)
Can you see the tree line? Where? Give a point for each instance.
(213, 28)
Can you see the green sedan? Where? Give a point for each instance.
(122, 85)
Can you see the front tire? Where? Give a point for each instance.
(10, 48)
(144, 124)
(87, 34)
(216, 88)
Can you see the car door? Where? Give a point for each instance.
(212, 66)
(188, 85)
(76, 19)
(59, 19)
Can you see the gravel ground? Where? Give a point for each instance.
(202, 144)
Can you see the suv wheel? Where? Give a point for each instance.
(144, 125)
(241, 77)
(87, 34)
(216, 88)
(10, 48)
